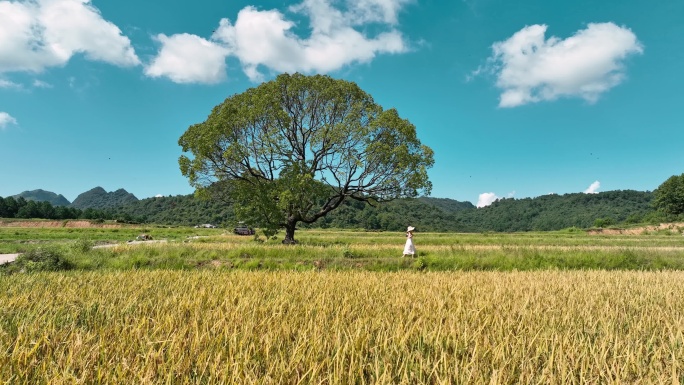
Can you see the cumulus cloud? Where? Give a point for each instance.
(186, 58)
(593, 188)
(531, 68)
(266, 40)
(35, 35)
(6, 120)
(486, 199)
(38, 34)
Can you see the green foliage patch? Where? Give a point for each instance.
(43, 259)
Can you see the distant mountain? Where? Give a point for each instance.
(98, 198)
(446, 204)
(44, 196)
(555, 212)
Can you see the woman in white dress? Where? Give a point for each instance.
(409, 248)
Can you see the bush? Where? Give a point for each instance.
(41, 260)
(347, 253)
(572, 230)
(82, 245)
(603, 222)
(634, 219)
(420, 264)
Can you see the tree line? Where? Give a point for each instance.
(26, 208)
(545, 213)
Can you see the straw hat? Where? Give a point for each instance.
(410, 228)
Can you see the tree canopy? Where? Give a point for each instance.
(293, 149)
(669, 196)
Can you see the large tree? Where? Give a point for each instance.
(669, 196)
(293, 149)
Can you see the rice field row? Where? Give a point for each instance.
(370, 247)
(15, 239)
(218, 327)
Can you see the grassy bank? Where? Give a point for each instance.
(343, 257)
(187, 248)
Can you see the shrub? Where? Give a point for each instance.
(603, 222)
(419, 264)
(48, 259)
(348, 253)
(572, 230)
(82, 245)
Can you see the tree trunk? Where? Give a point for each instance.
(289, 233)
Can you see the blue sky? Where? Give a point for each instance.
(516, 98)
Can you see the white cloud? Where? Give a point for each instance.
(158, 196)
(38, 34)
(6, 120)
(593, 188)
(8, 84)
(531, 68)
(379, 11)
(486, 199)
(265, 39)
(41, 84)
(186, 58)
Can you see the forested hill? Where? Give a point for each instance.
(176, 210)
(555, 212)
(447, 204)
(548, 212)
(44, 196)
(99, 199)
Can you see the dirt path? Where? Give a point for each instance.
(6, 258)
(129, 243)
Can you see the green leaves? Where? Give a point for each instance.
(669, 196)
(294, 148)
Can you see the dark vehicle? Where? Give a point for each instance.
(243, 229)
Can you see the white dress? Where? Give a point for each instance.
(409, 248)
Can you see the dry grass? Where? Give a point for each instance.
(154, 327)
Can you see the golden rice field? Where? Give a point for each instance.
(348, 327)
